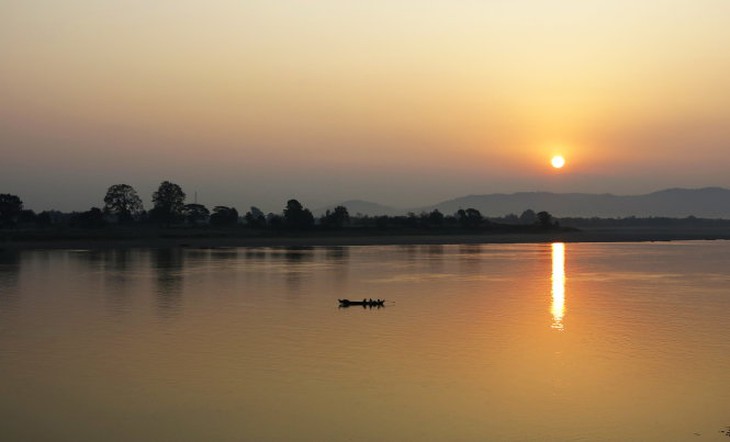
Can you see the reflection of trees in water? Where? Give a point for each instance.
(470, 249)
(9, 277)
(435, 256)
(93, 259)
(298, 254)
(92, 263)
(255, 254)
(117, 260)
(249, 268)
(207, 258)
(197, 256)
(224, 258)
(435, 249)
(224, 254)
(117, 263)
(430, 256)
(339, 257)
(295, 257)
(338, 253)
(410, 251)
(169, 264)
(9, 268)
(469, 257)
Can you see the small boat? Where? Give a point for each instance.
(364, 302)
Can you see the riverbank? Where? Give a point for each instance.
(310, 240)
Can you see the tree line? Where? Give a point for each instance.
(123, 206)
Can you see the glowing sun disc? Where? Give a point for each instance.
(557, 161)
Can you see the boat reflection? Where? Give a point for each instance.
(557, 292)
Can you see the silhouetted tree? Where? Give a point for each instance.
(224, 216)
(435, 218)
(469, 218)
(335, 219)
(450, 220)
(296, 216)
(411, 220)
(255, 218)
(92, 218)
(545, 219)
(275, 221)
(169, 200)
(10, 208)
(511, 219)
(122, 200)
(48, 217)
(195, 213)
(44, 219)
(528, 217)
(27, 216)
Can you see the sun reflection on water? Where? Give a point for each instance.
(557, 307)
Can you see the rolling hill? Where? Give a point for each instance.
(708, 202)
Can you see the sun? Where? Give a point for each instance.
(558, 161)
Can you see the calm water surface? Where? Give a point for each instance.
(491, 342)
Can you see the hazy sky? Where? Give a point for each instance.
(402, 102)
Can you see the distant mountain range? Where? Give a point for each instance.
(709, 202)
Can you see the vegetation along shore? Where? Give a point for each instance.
(123, 222)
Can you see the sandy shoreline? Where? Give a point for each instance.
(332, 241)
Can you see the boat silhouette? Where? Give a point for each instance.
(364, 302)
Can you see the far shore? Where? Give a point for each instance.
(313, 240)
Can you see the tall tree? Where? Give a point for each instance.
(255, 218)
(10, 208)
(92, 218)
(169, 200)
(196, 213)
(469, 218)
(224, 216)
(528, 217)
(335, 219)
(122, 200)
(27, 216)
(435, 218)
(545, 219)
(296, 216)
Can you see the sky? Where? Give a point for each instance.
(402, 102)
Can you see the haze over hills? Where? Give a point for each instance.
(363, 207)
(709, 202)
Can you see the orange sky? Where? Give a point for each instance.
(398, 102)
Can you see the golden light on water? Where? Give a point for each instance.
(557, 307)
